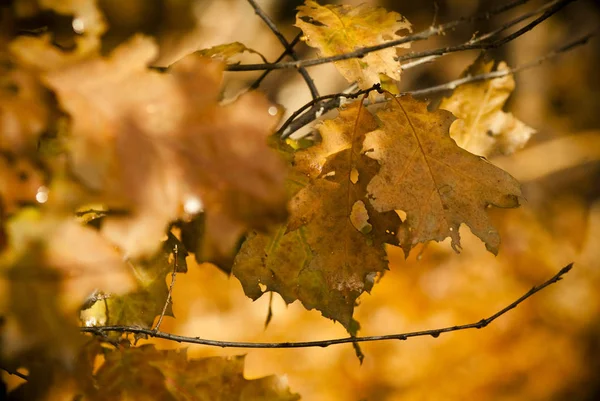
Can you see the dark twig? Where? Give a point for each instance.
(325, 343)
(479, 44)
(498, 74)
(259, 80)
(15, 373)
(294, 124)
(170, 293)
(286, 45)
(361, 52)
(315, 106)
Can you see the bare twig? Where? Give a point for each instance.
(481, 44)
(294, 123)
(361, 52)
(498, 74)
(325, 343)
(317, 108)
(15, 373)
(286, 45)
(169, 294)
(258, 81)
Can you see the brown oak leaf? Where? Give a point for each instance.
(435, 182)
(333, 246)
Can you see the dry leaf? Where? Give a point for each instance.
(145, 373)
(151, 142)
(332, 248)
(484, 129)
(436, 183)
(339, 29)
(228, 51)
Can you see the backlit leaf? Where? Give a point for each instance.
(227, 51)
(339, 29)
(483, 128)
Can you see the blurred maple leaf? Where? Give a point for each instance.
(145, 373)
(483, 128)
(340, 29)
(153, 141)
(436, 183)
(50, 268)
(24, 113)
(140, 307)
(38, 52)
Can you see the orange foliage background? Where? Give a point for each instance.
(546, 349)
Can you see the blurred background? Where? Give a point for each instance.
(546, 349)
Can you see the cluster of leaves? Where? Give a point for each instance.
(118, 158)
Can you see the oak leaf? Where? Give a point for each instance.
(435, 182)
(333, 246)
(145, 373)
(340, 29)
(483, 128)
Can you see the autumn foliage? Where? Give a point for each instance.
(125, 162)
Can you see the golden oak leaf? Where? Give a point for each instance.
(145, 373)
(339, 29)
(228, 51)
(436, 183)
(483, 128)
(333, 246)
(152, 142)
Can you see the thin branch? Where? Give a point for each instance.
(325, 343)
(479, 44)
(362, 51)
(170, 293)
(259, 80)
(334, 101)
(15, 373)
(316, 108)
(498, 74)
(286, 45)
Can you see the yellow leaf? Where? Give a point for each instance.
(339, 29)
(227, 51)
(484, 129)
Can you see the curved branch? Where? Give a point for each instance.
(100, 331)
